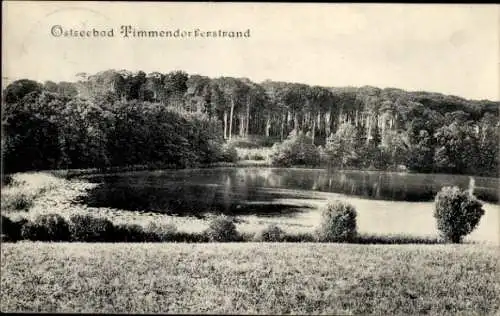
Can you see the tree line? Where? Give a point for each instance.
(120, 118)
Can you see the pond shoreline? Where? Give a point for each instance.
(376, 217)
(70, 173)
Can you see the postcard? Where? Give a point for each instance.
(250, 158)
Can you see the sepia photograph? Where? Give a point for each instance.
(250, 158)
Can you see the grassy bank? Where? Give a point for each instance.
(250, 278)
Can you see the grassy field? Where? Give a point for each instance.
(250, 278)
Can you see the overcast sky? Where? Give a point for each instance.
(452, 49)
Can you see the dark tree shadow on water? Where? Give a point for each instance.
(195, 200)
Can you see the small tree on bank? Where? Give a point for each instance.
(457, 213)
(297, 149)
(222, 229)
(338, 222)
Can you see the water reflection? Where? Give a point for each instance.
(264, 191)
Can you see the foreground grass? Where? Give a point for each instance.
(250, 278)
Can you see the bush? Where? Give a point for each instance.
(229, 153)
(338, 222)
(295, 150)
(91, 229)
(160, 232)
(221, 228)
(129, 233)
(271, 233)
(457, 213)
(12, 229)
(252, 141)
(7, 179)
(46, 227)
(31, 231)
(300, 237)
(256, 156)
(190, 237)
(7, 225)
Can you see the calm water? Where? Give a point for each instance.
(265, 191)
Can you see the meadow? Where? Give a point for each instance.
(396, 266)
(251, 278)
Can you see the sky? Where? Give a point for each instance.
(452, 49)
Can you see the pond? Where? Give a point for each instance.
(261, 191)
(386, 202)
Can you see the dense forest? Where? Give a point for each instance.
(120, 118)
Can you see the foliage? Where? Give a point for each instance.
(338, 222)
(7, 179)
(179, 120)
(457, 213)
(12, 228)
(253, 142)
(18, 90)
(271, 233)
(261, 153)
(222, 229)
(129, 233)
(295, 150)
(229, 153)
(341, 147)
(7, 225)
(457, 147)
(300, 237)
(395, 148)
(46, 227)
(160, 232)
(87, 228)
(47, 131)
(256, 156)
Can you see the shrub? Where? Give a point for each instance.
(12, 229)
(46, 227)
(129, 233)
(338, 222)
(190, 237)
(229, 153)
(295, 150)
(7, 179)
(271, 233)
(7, 225)
(160, 232)
(31, 231)
(91, 229)
(300, 237)
(221, 228)
(457, 213)
(256, 156)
